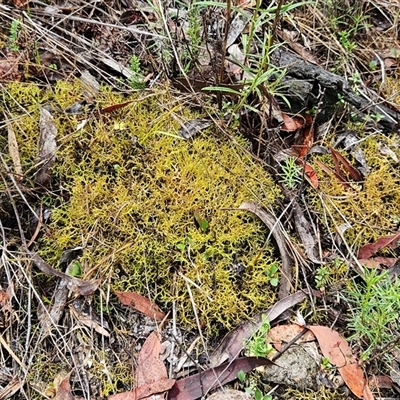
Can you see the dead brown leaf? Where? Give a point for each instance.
(152, 378)
(13, 148)
(47, 146)
(198, 385)
(297, 47)
(151, 370)
(286, 333)
(64, 389)
(141, 304)
(9, 68)
(336, 349)
(115, 107)
(378, 262)
(370, 249)
(5, 298)
(291, 124)
(79, 286)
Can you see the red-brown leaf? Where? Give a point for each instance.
(114, 107)
(378, 262)
(286, 333)
(370, 249)
(336, 349)
(150, 368)
(195, 386)
(141, 303)
(151, 372)
(329, 171)
(310, 174)
(64, 389)
(291, 124)
(338, 158)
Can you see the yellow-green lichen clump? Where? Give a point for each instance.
(127, 189)
(367, 210)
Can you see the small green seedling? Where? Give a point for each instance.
(13, 35)
(291, 173)
(203, 223)
(272, 274)
(258, 345)
(74, 269)
(136, 80)
(251, 388)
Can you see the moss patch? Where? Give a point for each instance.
(127, 190)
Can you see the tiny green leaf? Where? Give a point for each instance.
(274, 282)
(180, 246)
(203, 223)
(74, 269)
(241, 376)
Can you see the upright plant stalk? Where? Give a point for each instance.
(275, 23)
(223, 50)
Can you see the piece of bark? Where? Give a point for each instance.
(305, 81)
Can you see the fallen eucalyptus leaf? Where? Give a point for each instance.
(47, 146)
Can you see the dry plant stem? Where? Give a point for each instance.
(358, 267)
(275, 25)
(270, 221)
(199, 327)
(94, 22)
(223, 50)
(23, 269)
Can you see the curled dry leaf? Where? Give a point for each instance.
(140, 303)
(79, 286)
(336, 349)
(47, 146)
(370, 249)
(198, 385)
(271, 222)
